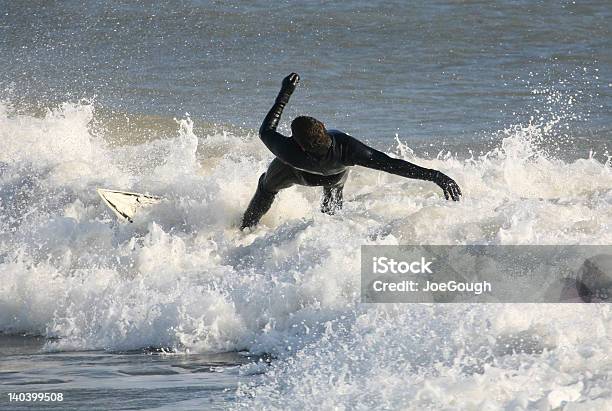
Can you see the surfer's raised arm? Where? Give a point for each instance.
(285, 148)
(365, 156)
(267, 131)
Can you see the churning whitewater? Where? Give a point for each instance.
(183, 277)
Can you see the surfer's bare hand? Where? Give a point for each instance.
(449, 186)
(290, 82)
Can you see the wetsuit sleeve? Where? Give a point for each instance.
(267, 131)
(282, 147)
(360, 154)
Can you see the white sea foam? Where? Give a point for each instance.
(183, 276)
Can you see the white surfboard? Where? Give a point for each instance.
(125, 204)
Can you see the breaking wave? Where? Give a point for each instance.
(183, 276)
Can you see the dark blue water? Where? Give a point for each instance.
(98, 380)
(427, 70)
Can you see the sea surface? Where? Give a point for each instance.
(181, 310)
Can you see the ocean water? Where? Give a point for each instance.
(181, 310)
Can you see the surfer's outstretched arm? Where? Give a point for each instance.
(363, 155)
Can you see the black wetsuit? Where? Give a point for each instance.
(293, 165)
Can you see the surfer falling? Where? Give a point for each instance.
(315, 156)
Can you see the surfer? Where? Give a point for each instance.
(315, 156)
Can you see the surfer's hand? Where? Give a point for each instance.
(289, 83)
(449, 186)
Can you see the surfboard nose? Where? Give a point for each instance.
(124, 203)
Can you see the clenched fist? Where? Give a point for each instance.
(290, 82)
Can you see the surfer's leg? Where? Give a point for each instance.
(332, 200)
(332, 196)
(259, 205)
(277, 177)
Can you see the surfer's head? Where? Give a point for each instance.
(310, 134)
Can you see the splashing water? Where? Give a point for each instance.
(182, 275)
